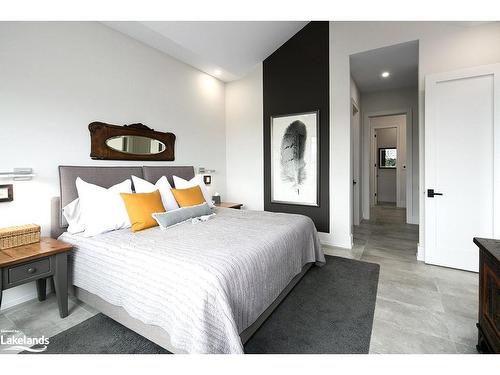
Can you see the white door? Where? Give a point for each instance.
(461, 145)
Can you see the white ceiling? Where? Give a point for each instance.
(400, 60)
(226, 50)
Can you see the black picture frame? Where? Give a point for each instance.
(10, 193)
(315, 112)
(381, 163)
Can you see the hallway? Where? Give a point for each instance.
(420, 308)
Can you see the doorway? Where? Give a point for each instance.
(386, 83)
(388, 158)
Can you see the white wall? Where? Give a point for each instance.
(57, 77)
(244, 141)
(386, 137)
(392, 101)
(443, 46)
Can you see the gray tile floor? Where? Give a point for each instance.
(420, 308)
(36, 319)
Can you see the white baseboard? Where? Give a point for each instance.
(11, 302)
(325, 238)
(328, 240)
(420, 253)
(413, 219)
(16, 296)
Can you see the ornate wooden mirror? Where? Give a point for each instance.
(130, 142)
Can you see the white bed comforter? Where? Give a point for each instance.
(203, 283)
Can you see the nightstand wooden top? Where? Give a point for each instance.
(46, 247)
(229, 205)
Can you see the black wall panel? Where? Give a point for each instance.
(296, 79)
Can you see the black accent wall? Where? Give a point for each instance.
(296, 79)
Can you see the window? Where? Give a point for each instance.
(387, 157)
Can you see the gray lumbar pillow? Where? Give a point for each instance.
(169, 218)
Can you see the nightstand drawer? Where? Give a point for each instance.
(27, 271)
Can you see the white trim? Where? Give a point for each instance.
(366, 144)
(25, 297)
(420, 253)
(374, 169)
(356, 214)
(327, 239)
(11, 302)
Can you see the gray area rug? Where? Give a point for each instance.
(329, 311)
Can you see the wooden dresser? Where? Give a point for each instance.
(489, 295)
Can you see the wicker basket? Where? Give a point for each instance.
(19, 235)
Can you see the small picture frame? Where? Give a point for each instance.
(6, 193)
(387, 158)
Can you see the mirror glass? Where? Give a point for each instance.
(387, 157)
(133, 144)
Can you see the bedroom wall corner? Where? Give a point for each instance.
(244, 141)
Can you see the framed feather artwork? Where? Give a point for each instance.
(295, 159)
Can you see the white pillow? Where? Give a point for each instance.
(73, 214)
(197, 180)
(162, 185)
(102, 209)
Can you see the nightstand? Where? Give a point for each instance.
(36, 262)
(229, 205)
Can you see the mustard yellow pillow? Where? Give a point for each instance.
(140, 207)
(188, 197)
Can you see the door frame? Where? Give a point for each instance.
(374, 163)
(356, 208)
(431, 79)
(368, 161)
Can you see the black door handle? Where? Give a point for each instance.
(431, 193)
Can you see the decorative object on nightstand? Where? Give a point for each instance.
(236, 206)
(216, 198)
(19, 235)
(489, 296)
(36, 262)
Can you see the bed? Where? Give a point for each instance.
(193, 288)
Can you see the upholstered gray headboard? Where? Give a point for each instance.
(105, 177)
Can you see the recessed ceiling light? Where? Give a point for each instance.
(217, 72)
(385, 74)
